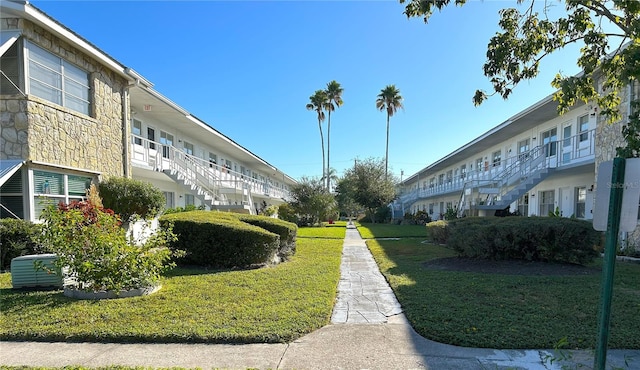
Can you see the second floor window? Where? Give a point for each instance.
(583, 127)
(496, 158)
(136, 130)
(188, 148)
(56, 80)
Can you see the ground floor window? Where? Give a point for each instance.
(11, 197)
(547, 202)
(53, 188)
(189, 200)
(168, 199)
(581, 200)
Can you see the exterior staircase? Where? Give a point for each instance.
(508, 186)
(203, 183)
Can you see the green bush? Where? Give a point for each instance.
(128, 197)
(287, 213)
(286, 230)
(220, 239)
(531, 238)
(18, 238)
(90, 242)
(437, 231)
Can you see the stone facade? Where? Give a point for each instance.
(608, 138)
(38, 130)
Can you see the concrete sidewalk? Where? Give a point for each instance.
(367, 331)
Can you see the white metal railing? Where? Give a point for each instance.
(556, 154)
(211, 175)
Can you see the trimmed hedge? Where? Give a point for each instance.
(220, 239)
(288, 232)
(531, 238)
(18, 238)
(437, 231)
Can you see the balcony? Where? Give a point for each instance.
(220, 179)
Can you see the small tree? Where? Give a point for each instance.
(128, 197)
(368, 185)
(311, 201)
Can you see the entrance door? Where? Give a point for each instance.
(566, 201)
(550, 143)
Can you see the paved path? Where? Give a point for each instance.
(368, 331)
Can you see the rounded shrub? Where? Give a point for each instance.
(18, 238)
(286, 230)
(128, 197)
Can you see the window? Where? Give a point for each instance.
(11, 197)
(52, 188)
(166, 140)
(583, 127)
(151, 136)
(550, 142)
(441, 179)
(463, 171)
(188, 148)
(189, 200)
(56, 80)
(136, 131)
(430, 208)
(581, 200)
(547, 202)
(10, 78)
(213, 159)
(496, 158)
(432, 182)
(523, 150)
(168, 199)
(479, 164)
(449, 176)
(523, 205)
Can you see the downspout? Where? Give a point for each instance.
(126, 109)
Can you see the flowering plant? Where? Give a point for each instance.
(94, 249)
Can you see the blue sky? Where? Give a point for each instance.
(248, 68)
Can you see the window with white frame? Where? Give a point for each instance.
(463, 171)
(189, 200)
(51, 188)
(151, 136)
(10, 82)
(547, 202)
(523, 149)
(449, 176)
(11, 197)
(583, 127)
(550, 142)
(430, 208)
(581, 200)
(166, 140)
(168, 199)
(136, 131)
(432, 182)
(479, 164)
(188, 148)
(441, 179)
(496, 158)
(56, 80)
(213, 159)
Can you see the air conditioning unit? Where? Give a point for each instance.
(25, 275)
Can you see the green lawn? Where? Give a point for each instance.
(506, 311)
(276, 304)
(333, 231)
(371, 231)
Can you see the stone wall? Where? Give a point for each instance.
(608, 138)
(38, 130)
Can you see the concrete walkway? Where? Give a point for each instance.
(367, 331)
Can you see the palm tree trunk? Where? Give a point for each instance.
(321, 143)
(386, 155)
(328, 150)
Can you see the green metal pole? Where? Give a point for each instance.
(611, 242)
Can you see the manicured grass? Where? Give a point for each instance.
(506, 311)
(276, 304)
(335, 231)
(371, 231)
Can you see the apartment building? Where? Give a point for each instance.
(534, 163)
(71, 115)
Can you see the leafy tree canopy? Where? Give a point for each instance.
(610, 57)
(310, 200)
(367, 184)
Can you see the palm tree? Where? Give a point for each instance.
(332, 175)
(317, 103)
(390, 100)
(334, 99)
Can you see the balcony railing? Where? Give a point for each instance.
(574, 150)
(161, 157)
